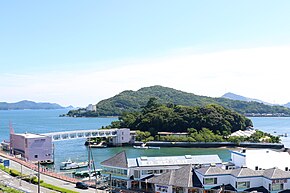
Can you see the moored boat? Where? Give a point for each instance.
(69, 164)
(143, 146)
(99, 145)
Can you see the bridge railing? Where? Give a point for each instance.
(66, 135)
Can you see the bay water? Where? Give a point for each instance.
(46, 121)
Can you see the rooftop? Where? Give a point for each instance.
(273, 173)
(271, 158)
(121, 160)
(181, 177)
(30, 135)
(177, 160)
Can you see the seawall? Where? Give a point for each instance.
(213, 144)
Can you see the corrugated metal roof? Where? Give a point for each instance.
(179, 160)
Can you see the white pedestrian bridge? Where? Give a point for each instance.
(68, 135)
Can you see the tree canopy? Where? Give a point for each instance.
(156, 117)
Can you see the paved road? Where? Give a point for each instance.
(45, 178)
(20, 184)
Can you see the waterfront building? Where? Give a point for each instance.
(32, 147)
(122, 136)
(261, 159)
(134, 173)
(194, 174)
(212, 179)
(244, 179)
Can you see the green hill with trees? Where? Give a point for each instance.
(155, 117)
(133, 101)
(210, 123)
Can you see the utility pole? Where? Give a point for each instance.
(89, 159)
(20, 174)
(38, 176)
(110, 183)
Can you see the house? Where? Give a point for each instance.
(32, 147)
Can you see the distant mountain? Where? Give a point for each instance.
(233, 96)
(287, 105)
(130, 101)
(28, 105)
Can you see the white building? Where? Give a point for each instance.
(123, 136)
(245, 133)
(194, 174)
(245, 179)
(33, 147)
(91, 107)
(134, 172)
(260, 159)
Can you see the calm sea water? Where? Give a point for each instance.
(45, 121)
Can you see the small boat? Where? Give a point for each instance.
(140, 147)
(100, 145)
(143, 146)
(69, 164)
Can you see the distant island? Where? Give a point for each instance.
(25, 104)
(133, 101)
(237, 97)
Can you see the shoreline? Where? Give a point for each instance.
(213, 144)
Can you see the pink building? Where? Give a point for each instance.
(33, 147)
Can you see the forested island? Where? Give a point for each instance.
(25, 104)
(133, 101)
(210, 123)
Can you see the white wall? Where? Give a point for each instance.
(266, 159)
(238, 159)
(123, 136)
(42, 147)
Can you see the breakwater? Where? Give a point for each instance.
(213, 144)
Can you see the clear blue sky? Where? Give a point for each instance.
(41, 36)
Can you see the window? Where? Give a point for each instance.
(277, 187)
(209, 181)
(35, 156)
(243, 185)
(136, 174)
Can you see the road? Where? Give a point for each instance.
(33, 188)
(20, 184)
